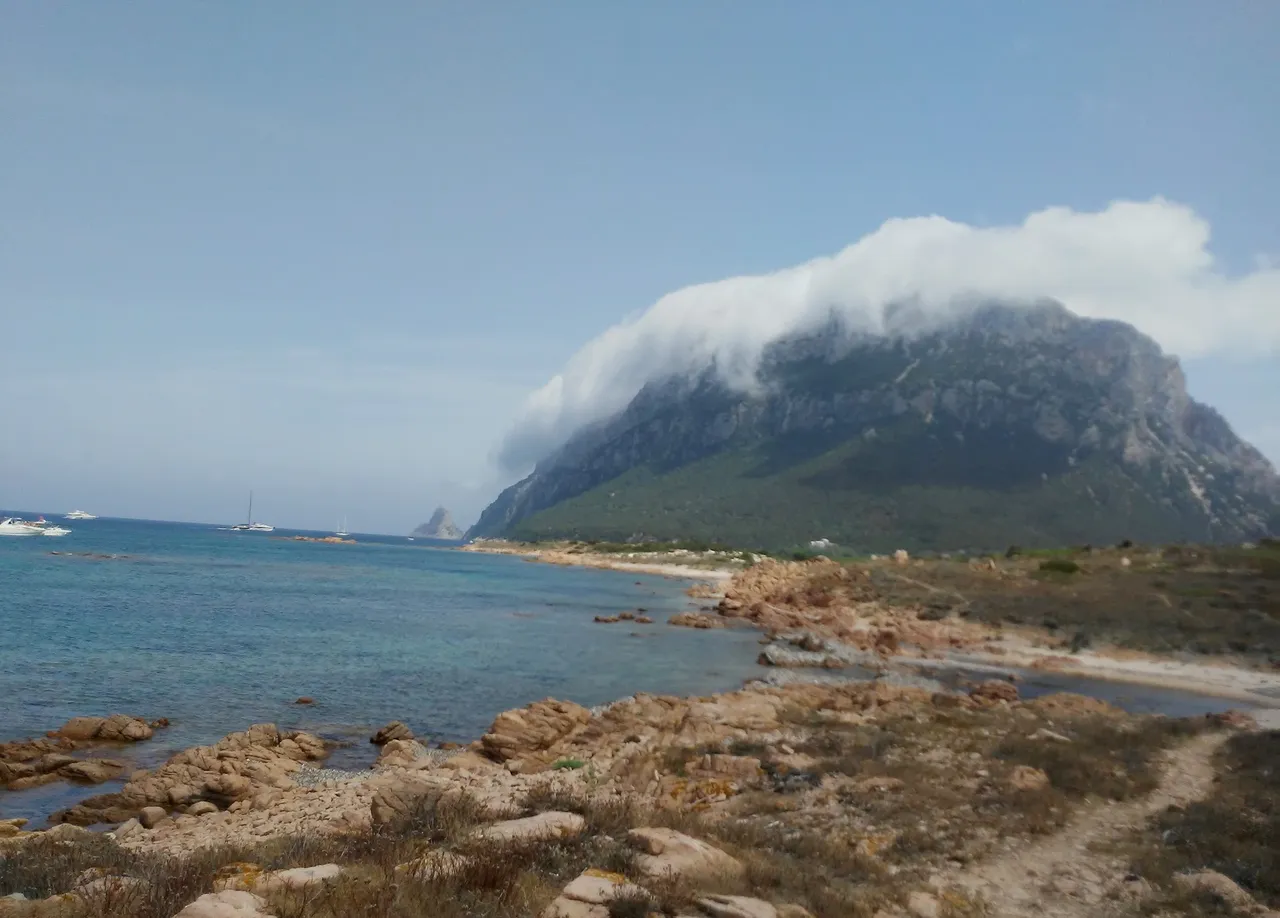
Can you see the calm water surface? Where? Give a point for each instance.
(217, 630)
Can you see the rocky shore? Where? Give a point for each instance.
(882, 614)
(905, 786)
(890, 798)
(30, 763)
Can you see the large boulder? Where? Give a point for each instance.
(533, 728)
(228, 903)
(252, 878)
(400, 753)
(118, 728)
(737, 907)
(543, 827)
(392, 731)
(151, 816)
(672, 855)
(590, 895)
(396, 801)
(92, 771)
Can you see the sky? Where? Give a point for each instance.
(356, 257)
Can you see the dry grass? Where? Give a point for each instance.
(1180, 598)
(1235, 831)
(1108, 758)
(495, 881)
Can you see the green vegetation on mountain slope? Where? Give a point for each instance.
(869, 495)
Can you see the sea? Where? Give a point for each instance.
(216, 630)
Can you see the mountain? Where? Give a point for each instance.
(1009, 424)
(440, 526)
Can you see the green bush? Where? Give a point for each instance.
(1060, 566)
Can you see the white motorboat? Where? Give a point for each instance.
(79, 515)
(251, 526)
(15, 527)
(46, 528)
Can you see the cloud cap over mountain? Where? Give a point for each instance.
(1145, 263)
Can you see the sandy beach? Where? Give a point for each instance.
(695, 568)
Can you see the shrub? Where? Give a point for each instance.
(1060, 566)
(567, 765)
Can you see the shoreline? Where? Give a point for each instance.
(1213, 680)
(1222, 680)
(600, 561)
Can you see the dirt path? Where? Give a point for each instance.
(1060, 876)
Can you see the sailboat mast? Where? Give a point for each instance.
(250, 520)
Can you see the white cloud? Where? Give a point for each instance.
(1146, 263)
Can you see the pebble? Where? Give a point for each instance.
(308, 776)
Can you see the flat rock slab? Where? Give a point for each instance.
(543, 827)
(737, 907)
(589, 895)
(252, 878)
(668, 854)
(229, 903)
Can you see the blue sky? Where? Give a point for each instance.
(326, 250)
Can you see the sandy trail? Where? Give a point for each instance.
(1062, 876)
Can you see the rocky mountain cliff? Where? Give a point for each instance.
(1010, 424)
(440, 526)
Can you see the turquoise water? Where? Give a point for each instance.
(217, 630)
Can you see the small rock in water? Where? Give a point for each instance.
(305, 699)
(392, 731)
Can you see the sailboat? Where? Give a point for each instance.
(251, 526)
(341, 531)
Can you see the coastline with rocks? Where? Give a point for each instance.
(874, 786)
(690, 783)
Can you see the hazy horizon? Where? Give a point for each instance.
(368, 262)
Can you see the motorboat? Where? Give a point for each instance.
(79, 515)
(15, 527)
(45, 527)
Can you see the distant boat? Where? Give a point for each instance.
(341, 531)
(80, 515)
(251, 526)
(14, 527)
